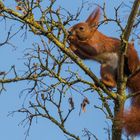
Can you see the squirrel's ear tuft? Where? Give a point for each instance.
(94, 17)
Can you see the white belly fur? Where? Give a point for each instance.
(108, 58)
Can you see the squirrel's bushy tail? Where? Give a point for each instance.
(131, 117)
(131, 121)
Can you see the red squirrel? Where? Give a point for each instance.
(88, 43)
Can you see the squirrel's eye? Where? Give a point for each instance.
(81, 28)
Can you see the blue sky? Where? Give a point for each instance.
(93, 119)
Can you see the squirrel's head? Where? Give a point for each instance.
(84, 30)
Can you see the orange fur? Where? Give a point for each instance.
(130, 120)
(88, 43)
(108, 76)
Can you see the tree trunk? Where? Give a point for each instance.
(119, 103)
(116, 128)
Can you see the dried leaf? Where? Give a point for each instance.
(84, 104)
(86, 100)
(42, 96)
(71, 103)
